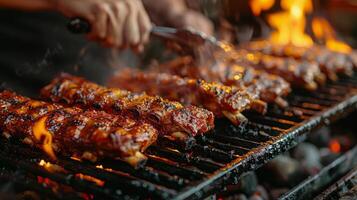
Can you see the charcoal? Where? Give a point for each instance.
(321, 137)
(309, 157)
(327, 157)
(262, 192)
(256, 197)
(283, 171)
(248, 183)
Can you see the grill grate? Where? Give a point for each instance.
(215, 160)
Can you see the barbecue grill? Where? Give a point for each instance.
(170, 173)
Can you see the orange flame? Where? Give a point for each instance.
(323, 31)
(290, 23)
(258, 6)
(51, 167)
(90, 178)
(43, 135)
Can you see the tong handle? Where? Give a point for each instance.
(185, 37)
(81, 26)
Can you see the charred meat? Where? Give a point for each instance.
(172, 119)
(223, 101)
(73, 131)
(331, 63)
(268, 87)
(300, 74)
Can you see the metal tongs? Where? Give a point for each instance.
(189, 38)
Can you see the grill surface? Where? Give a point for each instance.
(215, 160)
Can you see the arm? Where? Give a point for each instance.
(115, 23)
(30, 5)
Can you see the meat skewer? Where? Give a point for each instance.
(222, 100)
(174, 121)
(73, 131)
(267, 87)
(331, 63)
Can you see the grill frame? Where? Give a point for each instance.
(282, 143)
(195, 177)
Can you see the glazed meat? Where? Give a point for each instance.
(173, 120)
(227, 101)
(73, 131)
(331, 63)
(300, 74)
(268, 87)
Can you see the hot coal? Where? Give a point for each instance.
(262, 192)
(248, 183)
(308, 156)
(327, 157)
(256, 197)
(282, 171)
(286, 171)
(321, 137)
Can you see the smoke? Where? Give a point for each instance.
(29, 68)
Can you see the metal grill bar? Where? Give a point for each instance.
(214, 160)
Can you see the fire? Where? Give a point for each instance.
(43, 135)
(290, 23)
(324, 32)
(90, 178)
(258, 6)
(51, 167)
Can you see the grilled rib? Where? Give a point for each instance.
(73, 131)
(331, 63)
(222, 100)
(300, 74)
(269, 88)
(173, 120)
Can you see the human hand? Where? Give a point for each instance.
(115, 23)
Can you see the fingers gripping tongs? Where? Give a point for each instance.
(188, 38)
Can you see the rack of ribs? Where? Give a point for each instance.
(174, 121)
(73, 131)
(267, 87)
(331, 63)
(299, 73)
(223, 101)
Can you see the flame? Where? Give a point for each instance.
(258, 6)
(324, 32)
(42, 134)
(44, 164)
(335, 146)
(51, 167)
(75, 158)
(106, 169)
(99, 166)
(90, 178)
(290, 23)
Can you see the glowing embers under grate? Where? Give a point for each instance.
(215, 160)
